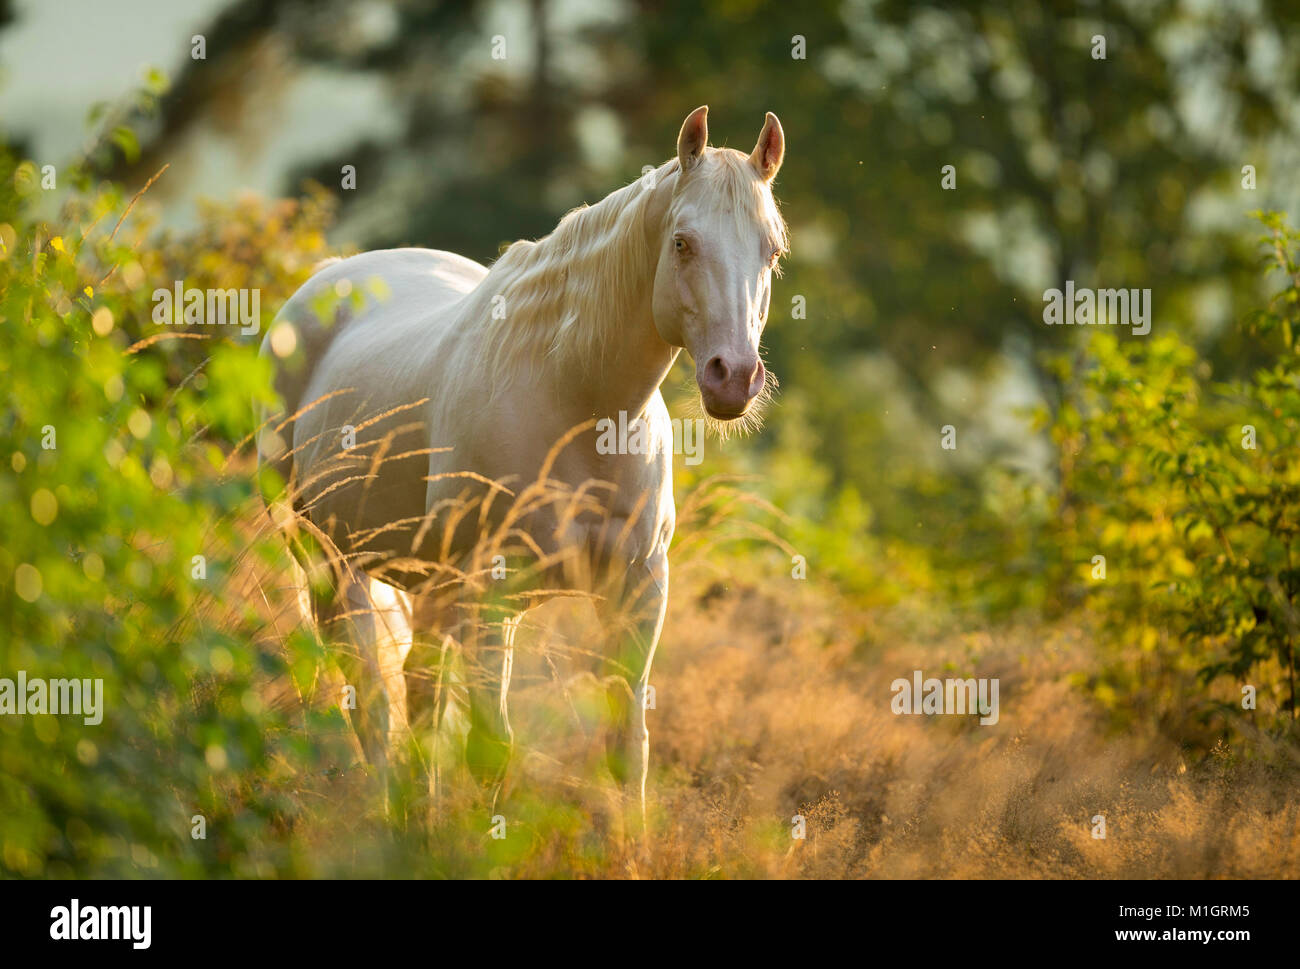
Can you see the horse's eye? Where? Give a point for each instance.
(680, 244)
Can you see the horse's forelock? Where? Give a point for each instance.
(729, 175)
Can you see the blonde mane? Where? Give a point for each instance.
(568, 292)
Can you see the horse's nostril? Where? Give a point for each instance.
(716, 372)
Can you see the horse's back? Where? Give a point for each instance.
(430, 273)
(406, 284)
(354, 324)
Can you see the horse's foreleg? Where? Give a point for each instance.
(489, 656)
(428, 686)
(633, 625)
(307, 616)
(348, 620)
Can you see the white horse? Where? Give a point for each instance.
(430, 402)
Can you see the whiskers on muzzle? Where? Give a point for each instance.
(748, 423)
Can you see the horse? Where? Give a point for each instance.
(429, 401)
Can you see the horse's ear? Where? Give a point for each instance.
(693, 137)
(770, 150)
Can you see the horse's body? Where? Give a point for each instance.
(424, 394)
(420, 343)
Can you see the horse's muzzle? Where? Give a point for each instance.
(729, 386)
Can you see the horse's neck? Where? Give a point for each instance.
(595, 295)
(634, 359)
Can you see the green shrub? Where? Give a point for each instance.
(1188, 488)
(119, 465)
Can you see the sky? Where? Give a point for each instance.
(102, 51)
(97, 59)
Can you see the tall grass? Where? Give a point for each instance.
(772, 699)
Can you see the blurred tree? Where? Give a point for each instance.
(1114, 170)
(1067, 163)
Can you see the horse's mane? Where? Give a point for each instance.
(568, 291)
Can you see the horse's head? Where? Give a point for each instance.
(723, 238)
